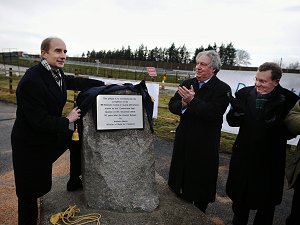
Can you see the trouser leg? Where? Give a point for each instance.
(75, 154)
(201, 205)
(75, 159)
(75, 182)
(241, 214)
(264, 216)
(27, 211)
(294, 218)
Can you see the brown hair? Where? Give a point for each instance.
(276, 71)
(46, 43)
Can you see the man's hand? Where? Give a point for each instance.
(74, 115)
(186, 94)
(236, 104)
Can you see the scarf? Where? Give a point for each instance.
(261, 100)
(55, 72)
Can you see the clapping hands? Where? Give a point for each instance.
(186, 94)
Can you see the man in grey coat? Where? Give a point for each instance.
(40, 133)
(195, 160)
(257, 165)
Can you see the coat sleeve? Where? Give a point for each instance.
(235, 117)
(80, 83)
(292, 120)
(175, 105)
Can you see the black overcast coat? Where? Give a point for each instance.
(40, 134)
(256, 172)
(195, 160)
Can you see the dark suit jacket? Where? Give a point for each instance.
(40, 134)
(195, 160)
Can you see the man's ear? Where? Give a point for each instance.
(43, 54)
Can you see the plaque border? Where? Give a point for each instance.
(112, 129)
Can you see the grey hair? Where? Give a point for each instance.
(215, 61)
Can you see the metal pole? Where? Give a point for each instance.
(10, 81)
(75, 91)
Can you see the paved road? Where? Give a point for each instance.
(7, 118)
(220, 211)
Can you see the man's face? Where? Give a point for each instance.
(56, 55)
(203, 70)
(264, 83)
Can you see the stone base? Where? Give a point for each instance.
(171, 211)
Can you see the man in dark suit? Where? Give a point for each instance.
(257, 165)
(40, 133)
(195, 161)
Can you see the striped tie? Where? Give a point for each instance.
(56, 77)
(200, 84)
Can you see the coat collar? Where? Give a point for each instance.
(209, 84)
(59, 94)
(276, 97)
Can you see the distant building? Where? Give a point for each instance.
(12, 54)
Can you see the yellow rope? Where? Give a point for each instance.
(68, 217)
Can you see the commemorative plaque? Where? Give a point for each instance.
(119, 112)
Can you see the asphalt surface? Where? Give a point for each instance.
(220, 211)
(7, 118)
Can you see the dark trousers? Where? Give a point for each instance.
(27, 211)
(294, 217)
(201, 205)
(28, 208)
(75, 152)
(263, 216)
(75, 156)
(75, 159)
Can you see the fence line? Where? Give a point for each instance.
(10, 74)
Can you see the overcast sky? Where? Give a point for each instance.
(268, 30)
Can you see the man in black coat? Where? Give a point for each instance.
(257, 165)
(40, 133)
(195, 160)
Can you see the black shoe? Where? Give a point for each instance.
(74, 184)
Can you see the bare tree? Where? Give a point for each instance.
(242, 58)
(295, 65)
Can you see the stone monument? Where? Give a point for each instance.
(118, 164)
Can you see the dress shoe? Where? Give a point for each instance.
(74, 184)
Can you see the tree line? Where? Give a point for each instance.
(230, 56)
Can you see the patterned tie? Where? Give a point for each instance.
(200, 84)
(57, 77)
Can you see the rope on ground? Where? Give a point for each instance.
(68, 217)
